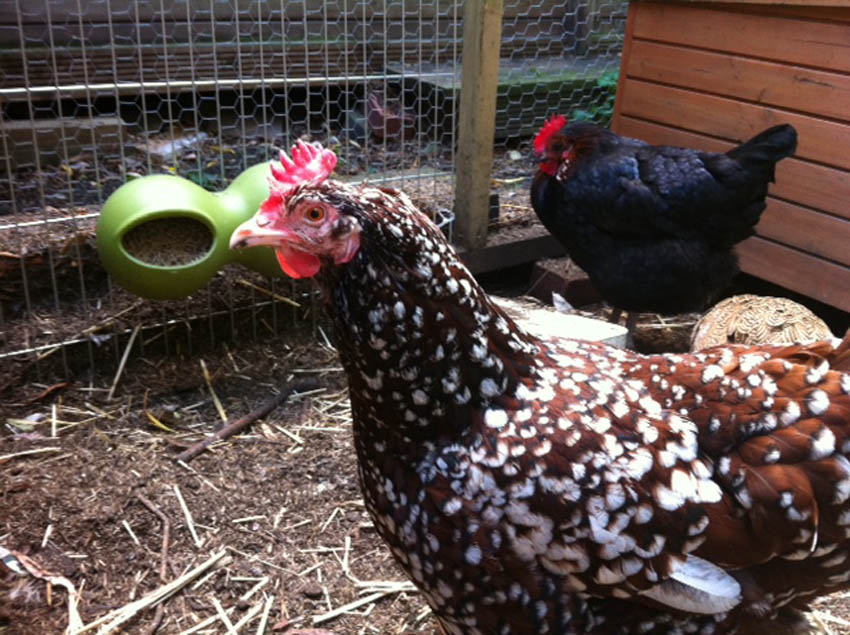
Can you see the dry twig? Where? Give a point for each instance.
(271, 294)
(216, 401)
(163, 560)
(230, 429)
(222, 615)
(345, 608)
(6, 457)
(261, 627)
(48, 391)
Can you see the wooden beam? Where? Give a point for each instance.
(819, 140)
(815, 41)
(795, 3)
(511, 254)
(766, 82)
(625, 61)
(482, 34)
(796, 270)
(54, 137)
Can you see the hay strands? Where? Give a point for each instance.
(376, 589)
(216, 401)
(229, 429)
(163, 571)
(123, 362)
(249, 615)
(114, 619)
(6, 457)
(272, 294)
(345, 608)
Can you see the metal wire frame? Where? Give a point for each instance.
(171, 98)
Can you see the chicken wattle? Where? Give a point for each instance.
(554, 486)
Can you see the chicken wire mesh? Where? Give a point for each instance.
(558, 58)
(96, 93)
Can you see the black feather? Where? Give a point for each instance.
(655, 226)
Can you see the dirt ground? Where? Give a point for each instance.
(281, 501)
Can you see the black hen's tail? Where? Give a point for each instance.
(763, 151)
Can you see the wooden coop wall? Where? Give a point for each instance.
(709, 75)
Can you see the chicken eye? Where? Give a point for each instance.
(315, 214)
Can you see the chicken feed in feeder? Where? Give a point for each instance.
(169, 242)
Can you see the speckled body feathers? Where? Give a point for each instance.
(533, 487)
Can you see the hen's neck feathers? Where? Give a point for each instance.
(422, 344)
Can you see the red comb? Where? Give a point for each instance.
(310, 162)
(549, 128)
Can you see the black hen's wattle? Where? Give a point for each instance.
(655, 226)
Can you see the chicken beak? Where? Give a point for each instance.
(257, 231)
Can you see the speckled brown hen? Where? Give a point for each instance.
(557, 486)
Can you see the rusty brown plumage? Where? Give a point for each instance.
(547, 485)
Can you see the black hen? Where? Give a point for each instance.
(653, 226)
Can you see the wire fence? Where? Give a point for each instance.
(96, 93)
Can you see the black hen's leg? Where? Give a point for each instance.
(631, 325)
(616, 313)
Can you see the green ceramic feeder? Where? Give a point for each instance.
(164, 237)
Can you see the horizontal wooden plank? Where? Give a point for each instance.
(759, 34)
(808, 230)
(225, 61)
(806, 90)
(810, 184)
(512, 253)
(70, 134)
(773, 3)
(819, 140)
(796, 270)
(828, 10)
(832, 13)
(227, 57)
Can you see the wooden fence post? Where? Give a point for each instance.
(482, 38)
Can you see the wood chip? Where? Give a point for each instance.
(130, 531)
